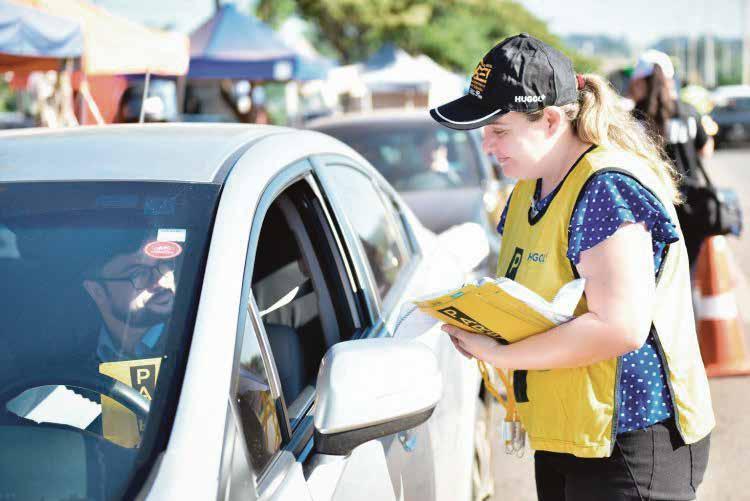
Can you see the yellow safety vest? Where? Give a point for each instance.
(575, 410)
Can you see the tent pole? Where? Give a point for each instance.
(145, 96)
(181, 86)
(90, 102)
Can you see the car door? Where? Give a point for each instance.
(300, 296)
(359, 196)
(453, 421)
(386, 262)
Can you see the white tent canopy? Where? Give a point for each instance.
(403, 72)
(114, 45)
(444, 84)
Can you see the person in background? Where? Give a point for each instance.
(678, 126)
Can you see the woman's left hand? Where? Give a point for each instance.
(474, 345)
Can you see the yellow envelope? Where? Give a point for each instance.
(489, 310)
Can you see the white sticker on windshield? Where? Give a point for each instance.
(171, 235)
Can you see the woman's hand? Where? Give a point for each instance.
(472, 345)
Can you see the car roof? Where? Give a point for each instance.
(377, 117)
(133, 152)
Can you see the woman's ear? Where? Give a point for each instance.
(553, 119)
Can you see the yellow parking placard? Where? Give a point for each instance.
(119, 425)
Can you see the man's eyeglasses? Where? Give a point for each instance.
(143, 276)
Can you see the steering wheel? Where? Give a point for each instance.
(78, 378)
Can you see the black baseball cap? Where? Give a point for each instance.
(521, 73)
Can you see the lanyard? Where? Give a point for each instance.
(514, 435)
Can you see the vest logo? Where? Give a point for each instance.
(530, 99)
(479, 79)
(466, 320)
(515, 262)
(537, 257)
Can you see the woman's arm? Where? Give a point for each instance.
(620, 292)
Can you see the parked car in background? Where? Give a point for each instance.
(442, 174)
(731, 113)
(229, 260)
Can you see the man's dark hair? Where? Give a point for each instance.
(106, 245)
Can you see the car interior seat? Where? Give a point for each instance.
(289, 358)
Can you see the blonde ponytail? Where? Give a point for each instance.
(598, 118)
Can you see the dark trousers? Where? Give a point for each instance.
(649, 464)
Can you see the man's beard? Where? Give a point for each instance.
(142, 317)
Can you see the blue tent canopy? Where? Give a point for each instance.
(26, 32)
(238, 46)
(309, 68)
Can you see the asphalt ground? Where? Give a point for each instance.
(728, 474)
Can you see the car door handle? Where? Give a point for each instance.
(408, 440)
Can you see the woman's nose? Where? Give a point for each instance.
(487, 143)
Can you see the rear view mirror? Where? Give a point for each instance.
(371, 388)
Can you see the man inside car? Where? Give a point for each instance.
(134, 293)
(131, 281)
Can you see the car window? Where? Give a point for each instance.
(416, 157)
(372, 223)
(301, 292)
(100, 282)
(288, 299)
(257, 410)
(399, 219)
(300, 303)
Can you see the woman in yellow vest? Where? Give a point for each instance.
(615, 402)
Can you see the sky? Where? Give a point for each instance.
(183, 15)
(642, 21)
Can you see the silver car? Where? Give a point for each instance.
(169, 293)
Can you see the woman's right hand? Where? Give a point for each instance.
(460, 350)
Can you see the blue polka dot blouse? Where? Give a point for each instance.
(609, 200)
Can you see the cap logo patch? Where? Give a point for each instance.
(479, 79)
(530, 99)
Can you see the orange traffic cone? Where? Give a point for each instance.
(720, 332)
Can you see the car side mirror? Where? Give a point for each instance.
(371, 388)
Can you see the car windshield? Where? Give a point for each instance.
(415, 157)
(100, 285)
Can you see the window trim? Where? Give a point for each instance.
(248, 311)
(343, 254)
(408, 229)
(350, 240)
(380, 309)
